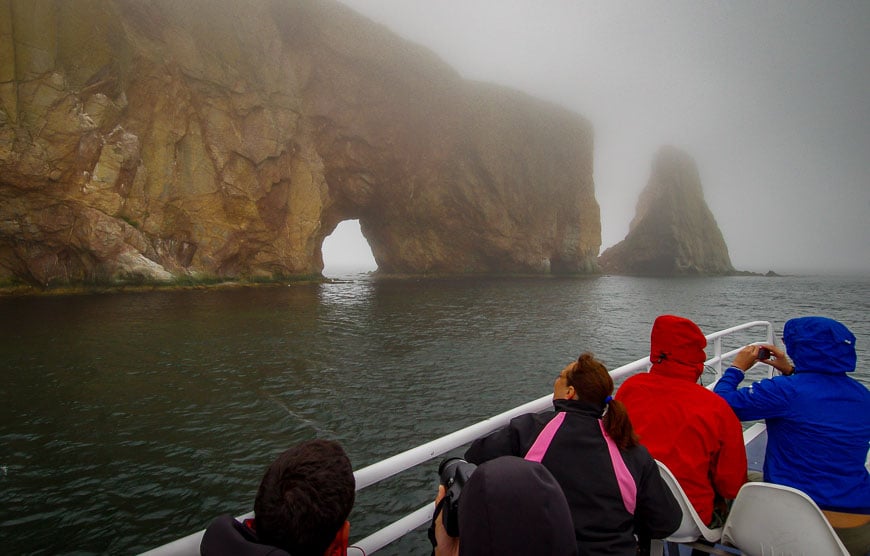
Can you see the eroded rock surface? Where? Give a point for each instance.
(228, 138)
(673, 232)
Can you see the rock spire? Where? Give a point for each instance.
(673, 232)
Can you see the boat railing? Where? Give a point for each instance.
(716, 338)
(423, 453)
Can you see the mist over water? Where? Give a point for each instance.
(130, 419)
(769, 98)
(346, 251)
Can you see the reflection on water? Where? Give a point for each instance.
(128, 420)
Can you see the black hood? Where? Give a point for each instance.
(514, 506)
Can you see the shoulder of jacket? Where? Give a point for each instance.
(527, 419)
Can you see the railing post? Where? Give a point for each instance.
(717, 353)
(770, 341)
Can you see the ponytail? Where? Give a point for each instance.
(618, 425)
(593, 383)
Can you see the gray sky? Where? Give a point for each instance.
(772, 99)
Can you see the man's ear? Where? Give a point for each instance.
(338, 547)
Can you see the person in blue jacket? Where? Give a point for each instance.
(818, 421)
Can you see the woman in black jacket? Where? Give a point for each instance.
(612, 484)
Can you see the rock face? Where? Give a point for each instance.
(228, 138)
(673, 232)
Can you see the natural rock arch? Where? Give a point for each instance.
(142, 141)
(347, 249)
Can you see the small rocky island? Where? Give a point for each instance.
(673, 232)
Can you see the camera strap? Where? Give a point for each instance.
(431, 531)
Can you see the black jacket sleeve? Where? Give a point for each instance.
(512, 440)
(658, 513)
(502, 442)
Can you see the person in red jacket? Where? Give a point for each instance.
(683, 424)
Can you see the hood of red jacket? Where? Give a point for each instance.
(677, 348)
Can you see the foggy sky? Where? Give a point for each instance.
(771, 99)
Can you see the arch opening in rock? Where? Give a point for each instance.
(346, 251)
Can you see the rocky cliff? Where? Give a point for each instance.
(673, 232)
(146, 141)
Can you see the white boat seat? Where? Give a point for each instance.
(691, 528)
(775, 519)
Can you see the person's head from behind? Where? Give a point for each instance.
(820, 344)
(587, 380)
(677, 347)
(513, 506)
(305, 498)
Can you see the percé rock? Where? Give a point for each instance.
(145, 141)
(673, 232)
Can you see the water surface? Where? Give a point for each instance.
(130, 419)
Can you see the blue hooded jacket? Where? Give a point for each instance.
(818, 419)
(820, 344)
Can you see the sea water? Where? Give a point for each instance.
(130, 419)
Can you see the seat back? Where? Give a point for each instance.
(775, 519)
(691, 528)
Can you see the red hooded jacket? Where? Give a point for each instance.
(682, 424)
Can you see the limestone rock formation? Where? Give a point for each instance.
(673, 232)
(228, 138)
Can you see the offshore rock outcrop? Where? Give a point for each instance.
(143, 141)
(673, 232)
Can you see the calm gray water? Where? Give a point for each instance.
(128, 420)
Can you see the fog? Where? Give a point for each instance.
(771, 99)
(346, 251)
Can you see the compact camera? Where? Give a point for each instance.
(763, 354)
(453, 474)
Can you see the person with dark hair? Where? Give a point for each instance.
(301, 507)
(818, 421)
(683, 424)
(508, 506)
(612, 485)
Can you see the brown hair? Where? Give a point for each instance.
(593, 384)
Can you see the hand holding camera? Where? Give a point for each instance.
(751, 354)
(767, 353)
(453, 474)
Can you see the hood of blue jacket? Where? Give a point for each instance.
(820, 344)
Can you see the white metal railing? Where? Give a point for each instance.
(403, 461)
(716, 338)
